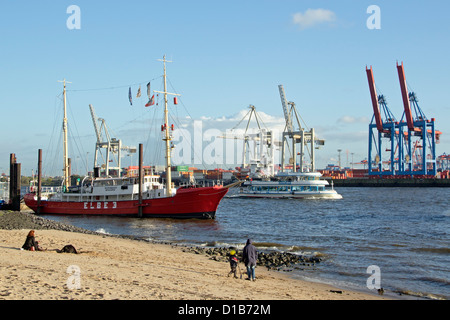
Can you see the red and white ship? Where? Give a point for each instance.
(120, 197)
(129, 196)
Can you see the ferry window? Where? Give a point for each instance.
(263, 188)
(282, 188)
(273, 188)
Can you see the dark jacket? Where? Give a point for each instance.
(30, 242)
(250, 256)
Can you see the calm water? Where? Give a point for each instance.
(403, 231)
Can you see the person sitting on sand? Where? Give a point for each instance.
(250, 257)
(31, 243)
(233, 263)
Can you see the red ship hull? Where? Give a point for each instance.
(187, 203)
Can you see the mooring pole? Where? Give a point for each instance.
(141, 179)
(12, 161)
(14, 183)
(17, 176)
(39, 181)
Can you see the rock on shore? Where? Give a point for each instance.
(270, 259)
(10, 220)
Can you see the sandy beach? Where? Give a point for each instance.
(117, 268)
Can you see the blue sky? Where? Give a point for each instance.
(226, 56)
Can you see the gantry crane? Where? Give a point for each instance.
(262, 162)
(417, 130)
(299, 136)
(411, 138)
(382, 127)
(113, 148)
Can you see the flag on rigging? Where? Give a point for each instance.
(151, 101)
(129, 97)
(148, 90)
(138, 95)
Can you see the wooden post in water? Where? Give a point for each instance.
(18, 176)
(12, 161)
(141, 179)
(39, 192)
(14, 183)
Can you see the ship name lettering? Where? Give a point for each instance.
(98, 205)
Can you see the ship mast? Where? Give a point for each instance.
(167, 138)
(66, 182)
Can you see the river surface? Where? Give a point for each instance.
(402, 231)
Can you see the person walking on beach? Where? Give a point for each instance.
(31, 243)
(250, 256)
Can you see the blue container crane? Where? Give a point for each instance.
(417, 152)
(382, 127)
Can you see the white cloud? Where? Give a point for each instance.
(239, 120)
(313, 17)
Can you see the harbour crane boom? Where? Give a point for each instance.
(284, 103)
(405, 97)
(374, 97)
(94, 119)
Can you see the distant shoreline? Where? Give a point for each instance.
(387, 183)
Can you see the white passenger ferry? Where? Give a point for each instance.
(304, 185)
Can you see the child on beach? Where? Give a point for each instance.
(233, 263)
